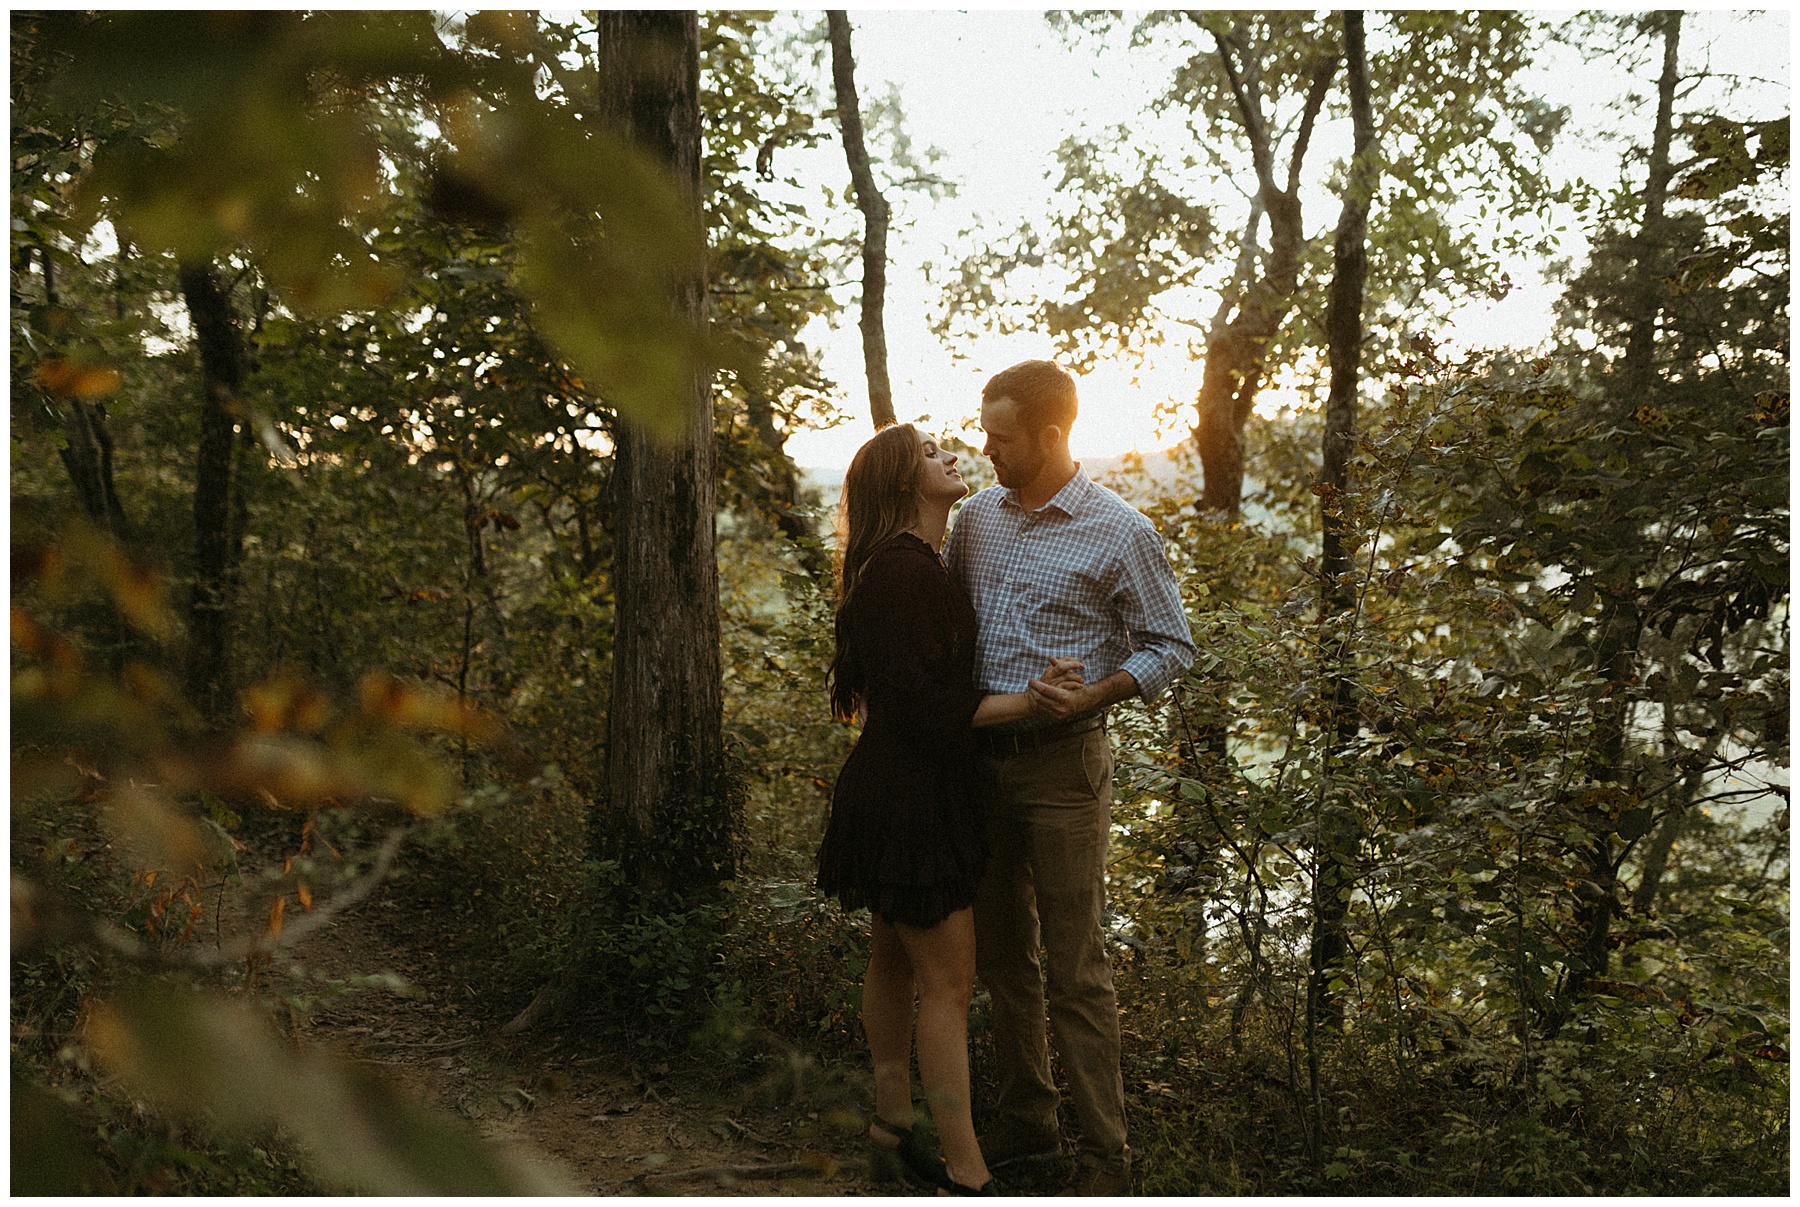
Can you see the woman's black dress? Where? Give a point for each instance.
(904, 838)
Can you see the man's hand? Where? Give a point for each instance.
(1060, 702)
(1061, 699)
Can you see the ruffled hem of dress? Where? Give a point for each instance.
(912, 905)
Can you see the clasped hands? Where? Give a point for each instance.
(1061, 691)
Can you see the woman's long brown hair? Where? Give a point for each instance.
(880, 500)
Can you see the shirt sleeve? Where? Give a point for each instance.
(913, 677)
(1148, 602)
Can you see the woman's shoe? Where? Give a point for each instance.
(885, 1164)
(910, 1152)
(986, 1188)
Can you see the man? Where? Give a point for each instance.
(1056, 566)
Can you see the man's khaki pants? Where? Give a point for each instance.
(1050, 813)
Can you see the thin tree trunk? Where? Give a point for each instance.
(87, 453)
(874, 209)
(1621, 624)
(1649, 293)
(88, 456)
(1234, 355)
(1335, 839)
(1344, 325)
(670, 816)
(1662, 843)
(474, 576)
(221, 347)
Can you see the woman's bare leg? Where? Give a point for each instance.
(887, 1017)
(943, 964)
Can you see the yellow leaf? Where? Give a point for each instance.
(152, 834)
(277, 909)
(68, 379)
(305, 895)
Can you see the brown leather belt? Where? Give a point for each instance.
(1017, 741)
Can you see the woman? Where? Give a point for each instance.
(904, 838)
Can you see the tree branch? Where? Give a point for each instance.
(1250, 109)
(1315, 100)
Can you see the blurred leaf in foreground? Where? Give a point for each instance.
(200, 1055)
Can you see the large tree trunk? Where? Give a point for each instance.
(221, 346)
(670, 818)
(874, 209)
(1234, 352)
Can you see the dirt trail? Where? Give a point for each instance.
(614, 1127)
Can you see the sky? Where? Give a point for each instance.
(997, 90)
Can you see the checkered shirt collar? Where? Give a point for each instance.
(1066, 500)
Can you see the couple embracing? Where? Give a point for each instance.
(971, 818)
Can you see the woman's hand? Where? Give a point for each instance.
(1065, 673)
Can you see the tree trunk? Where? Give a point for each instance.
(1648, 290)
(1234, 354)
(670, 819)
(1620, 621)
(1337, 838)
(1662, 843)
(88, 456)
(874, 209)
(1335, 833)
(221, 347)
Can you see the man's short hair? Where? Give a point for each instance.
(1041, 389)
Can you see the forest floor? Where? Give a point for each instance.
(607, 1121)
(612, 1125)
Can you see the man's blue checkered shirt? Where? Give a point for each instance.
(1084, 576)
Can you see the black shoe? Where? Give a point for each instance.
(914, 1153)
(986, 1188)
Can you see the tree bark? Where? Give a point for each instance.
(221, 347)
(670, 818)
(1234, 354)
(875, 212)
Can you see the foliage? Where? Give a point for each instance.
(270, 136)
(138, 1013)
(1133, 255)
